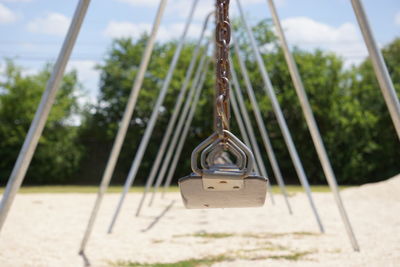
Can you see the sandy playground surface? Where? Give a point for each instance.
(46, 229)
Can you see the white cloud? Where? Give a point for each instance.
(142, 3)
(397, 18)
(17, 1)
(6, 15)
(179, 8)
(280, 2)
(2, 70)
(344, 40)
(117, 29)
(89, 77)
(51, 24)
(167, 32)
(28, 71)
(208, 3)
(252, 2)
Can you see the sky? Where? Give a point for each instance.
(32, 31)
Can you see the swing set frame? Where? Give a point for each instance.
(185, 117)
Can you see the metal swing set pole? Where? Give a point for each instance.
(243, 131)
(312, 125)
(381, 71)
(242, 128)
(280, 118)
(150, 126)
(35, 130)
(124, 124)
(261, 126)
(201, 68)
(182, 137)
(174, 117)
(239, 120)
(257, 154)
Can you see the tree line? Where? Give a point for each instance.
(347, 103)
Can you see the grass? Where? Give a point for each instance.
(276, 235)
(294, 256)
(157, 241)
(314, 188)
(207, 235)
(242, 254)
(292, 189)
(206, 261)
(49, 189)
(245, 235)
(268, 247)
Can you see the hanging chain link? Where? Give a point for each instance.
(222, 38)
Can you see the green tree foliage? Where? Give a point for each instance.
(346, 101)
(357, 135)
(58, 155)
(117, 75)
(374, 141)
(347, 104)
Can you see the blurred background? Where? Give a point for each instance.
(328, 48)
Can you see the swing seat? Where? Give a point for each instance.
(227, 185)
(226, 192)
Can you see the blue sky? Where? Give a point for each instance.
(32, 31)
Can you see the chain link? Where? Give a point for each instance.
(222, 39)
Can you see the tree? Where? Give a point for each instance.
(347, 105)
(57, 155)
(374, 139)
(117, 75)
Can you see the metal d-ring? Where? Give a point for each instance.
(206, 151)
(250, 157)
(234, 141)
(213, 155)
(207, 156)
(218, 152)
(195, 153)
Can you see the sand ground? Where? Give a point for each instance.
(46, 229)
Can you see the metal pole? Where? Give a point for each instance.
(185, 132)
(261, 127)
(239, 121)
(312, 126)
(281, 120)
(116, 149)
(249, 127)
(35, 130)
(381, 72)
(150, 126)
(242, 129)
(201, 68)
(174, 117)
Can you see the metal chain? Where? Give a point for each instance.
(222, 39)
